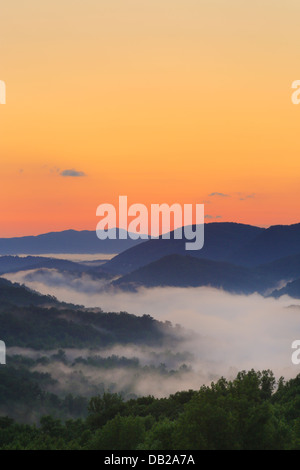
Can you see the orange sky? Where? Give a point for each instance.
(162, 101)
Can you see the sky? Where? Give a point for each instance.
(173, 101)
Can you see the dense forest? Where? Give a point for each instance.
(253, 411)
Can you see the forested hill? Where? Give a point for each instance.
(243, 414)
(31, 320)
(22, 296)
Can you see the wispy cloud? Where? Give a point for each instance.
(72, 173)
(244, 197)
(208, 216)
(219, 194)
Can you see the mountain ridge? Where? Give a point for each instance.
(67, 241)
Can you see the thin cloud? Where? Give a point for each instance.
(72, 173)
(219, 194)
(247, 196)
(208, 216)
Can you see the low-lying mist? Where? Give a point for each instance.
(232, 332)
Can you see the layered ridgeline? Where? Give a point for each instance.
(15, 264)
(237, 258)
(68, 241)
(61, 354)
(187, 271)
(221, 242)
(238, 244)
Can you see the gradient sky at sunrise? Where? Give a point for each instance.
(183, 101)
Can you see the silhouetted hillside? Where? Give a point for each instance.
(186, 271)
(292, 289)
(14, 264)
(283, 269)
(221, 241)
(271, 244)
(69, 241)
